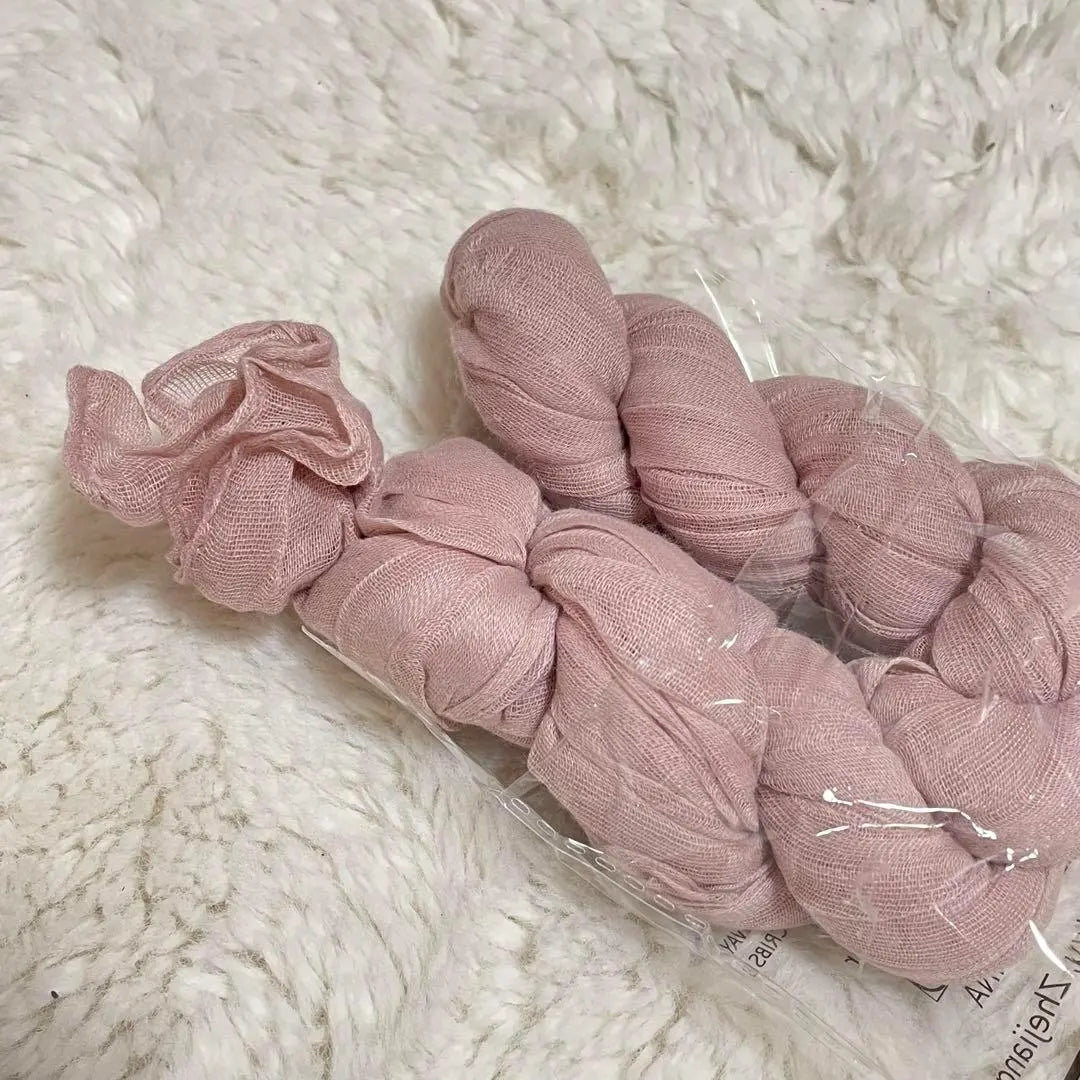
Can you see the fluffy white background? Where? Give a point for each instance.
(225, 857)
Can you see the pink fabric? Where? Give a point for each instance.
(735, 765)
(639, 406)
(258, 442)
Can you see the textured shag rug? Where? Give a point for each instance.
(220, 855)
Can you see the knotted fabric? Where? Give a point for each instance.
(734, 765)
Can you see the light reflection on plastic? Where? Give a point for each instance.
(883, 825)
(770, 356)
(830, 796)
(989, 699)
(725, 326)
(1043, 944)
(1033, 854)
(946, 918)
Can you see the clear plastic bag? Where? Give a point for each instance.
(1024, 1022)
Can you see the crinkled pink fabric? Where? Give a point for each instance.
(735, 765)
(258, 444)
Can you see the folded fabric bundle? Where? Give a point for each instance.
(744, 770)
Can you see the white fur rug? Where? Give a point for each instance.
(219, 855)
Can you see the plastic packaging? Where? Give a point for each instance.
(1023, 1022)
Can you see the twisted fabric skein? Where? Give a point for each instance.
(638, 406)
(733, 764)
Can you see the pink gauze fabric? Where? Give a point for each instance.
(735, 765)
(639, 406)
